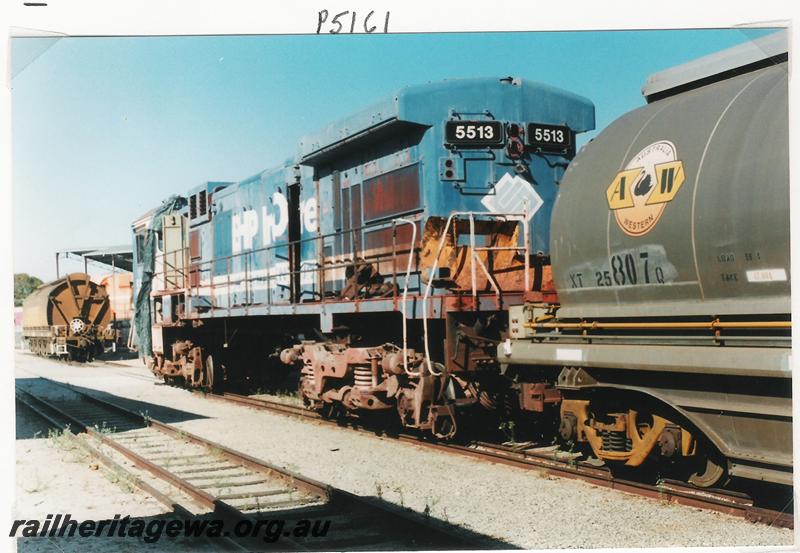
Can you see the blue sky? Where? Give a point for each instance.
(104, 128)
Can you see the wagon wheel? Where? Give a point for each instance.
(711, 471)
(215, 375)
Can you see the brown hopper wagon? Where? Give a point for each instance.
(70, 317)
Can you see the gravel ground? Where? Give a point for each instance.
(520, 508)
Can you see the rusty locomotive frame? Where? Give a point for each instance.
(438, 254)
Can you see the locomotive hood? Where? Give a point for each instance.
(427, 104)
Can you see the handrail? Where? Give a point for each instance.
(405, 293)
(508, 216)
(711, 325)
(196, 267)
(340, 262)
(373, 226)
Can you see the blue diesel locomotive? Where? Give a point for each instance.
(380, 261)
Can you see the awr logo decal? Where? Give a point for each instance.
(639, 193)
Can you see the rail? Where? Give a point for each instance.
(716, 324)
(553, 461)
(181, 460)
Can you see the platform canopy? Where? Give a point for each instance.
(116, 257)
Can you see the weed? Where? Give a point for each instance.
(122, 478)
(399, 492)
(507, 427)
(64, 441)
(430, 503)
(105, 429)
(61, 439)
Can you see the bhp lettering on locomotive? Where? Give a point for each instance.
(273, 222)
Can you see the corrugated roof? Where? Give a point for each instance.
(119, 257)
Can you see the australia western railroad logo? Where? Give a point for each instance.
(640, 192)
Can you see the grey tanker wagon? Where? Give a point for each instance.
(671, 260)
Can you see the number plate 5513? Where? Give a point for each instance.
(474, 133)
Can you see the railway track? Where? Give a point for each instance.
(551, 461)
(235, 487)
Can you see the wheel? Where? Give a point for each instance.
(710, 472)
(444, 427)
(214, 375)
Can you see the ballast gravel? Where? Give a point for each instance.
(514, 507)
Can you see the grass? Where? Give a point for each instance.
(399, 491)
(125, 480)
(62, 439)
(507, 427)
(214, 451)
(105, 429)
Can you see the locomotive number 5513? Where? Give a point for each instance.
(474, 134)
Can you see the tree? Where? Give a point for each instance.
(24, 284)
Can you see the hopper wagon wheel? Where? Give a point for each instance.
(75, 354)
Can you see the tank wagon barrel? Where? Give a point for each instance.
(70, 317)
(670, 341)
